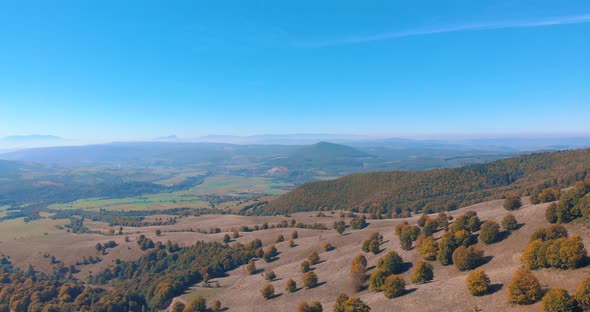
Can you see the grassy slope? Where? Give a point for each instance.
(464, 186)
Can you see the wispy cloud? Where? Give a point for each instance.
(561, 20)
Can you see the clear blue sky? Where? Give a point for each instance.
(143, 69)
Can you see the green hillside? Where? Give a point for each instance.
(438, 189)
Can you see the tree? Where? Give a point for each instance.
(490, 232)
(467, 258)
(216, 306)
(291, 243)
(392, 263)
(582, 294)
(478, 283)
(377, 279)
(512, 202)
(270, 275)
(358, 274)
(474, 224)
(226, 238)
(251, 267)
(340, 226)
(524, 288)
(158, 232)
(430, 227)
(291, 285)
(360, 258)
(280, 239)
(558, 300)
(352, 304)
(313, 258)
(422, 220)
(509, 222)
(358, 223)
(422, 273)
(270, 253)
(328, 247)
(428, 248)
(99, 247)
(197, 304)
(462, 238)
(310, 279)
(177, 307)
(267, 291)
(394, 286)
(446, 246)
(305, 266)
(551, 213)
(312, 307)
(294, 235)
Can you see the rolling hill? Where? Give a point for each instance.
(438, 189)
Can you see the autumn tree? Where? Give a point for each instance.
(177, 307)
(358, 272)
(551, 213)
(270, 275)
(478, 283)
(197, 304)
(422, 220)
(490, 232)
(392, 263)
(394, 286)
(310, 279)
(251, 267)
(428, 248)
(582, 294)
(311, 307)
(512, 202)
(446, 246)
(280, 239)
(377, 279)
(313, 258)
(350, 304)
(291, 285)
(340, 226)
(305, 266)
(509, 222)
(267, 291)
(226, 238)
(270, 253)
(216, 306)
(328, 247)
(423, 272)
(524, 288)
(558, 300)
(430, 227)
(467, 258)
(294, 235)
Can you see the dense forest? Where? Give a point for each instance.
(435, 190)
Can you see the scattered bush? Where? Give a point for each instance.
(392, 263)
(280, 239)
(490, 232)
(377, 279)
(478, 283)
(467, 258)
(428, 248)
(269, 276)
(358, 223)
(350, 304)
(294, 234)
(251, 267)
(312, 307)
(310, 279)
(551, 213)
(197, 304)
(305, 266)
(509, 222)
(372, 243)
(394, 286)
(524, 288)
(328, 247)
(512, 202)
(358, 272)
(216, 306)
(558, 300)
(446, 247)
(561, 253)
(291, 285)
(422, 273)
(313, 258)
(582, 294)
(267, 291)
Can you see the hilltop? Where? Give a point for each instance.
(435, 190)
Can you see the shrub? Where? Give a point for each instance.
(313, 258)
(391, 263)
(269, 276)
(462, 238)
(176, 307)
(197, 304)
(467, 258)
(372, 243)
(358, 223)
(312, 307)
(478, 283)
(280, 238)
(582, 294)
(524, 288)
(430, 227)
(446, 246)
(558, 300)
(428, 248)
(358, 275)
(216, 306)
(310, 279)
(474, 224)
(377, 279)
(360, 258)
(394, 286)
(346, 304)
(291, 243)
(422, 220)
(270, 253)
(291, 285)
(226, 238)
(422, 273)
(305, 266)
(328, 247)
(509, 222)
(339, 226)
(443, 221)
(267, 291)
(551, 213)
(251, 267)
(294, 235)
(512, 202)
(490, 232)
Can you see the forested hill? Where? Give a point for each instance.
(439, 189)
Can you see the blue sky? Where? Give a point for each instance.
(130, 70)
